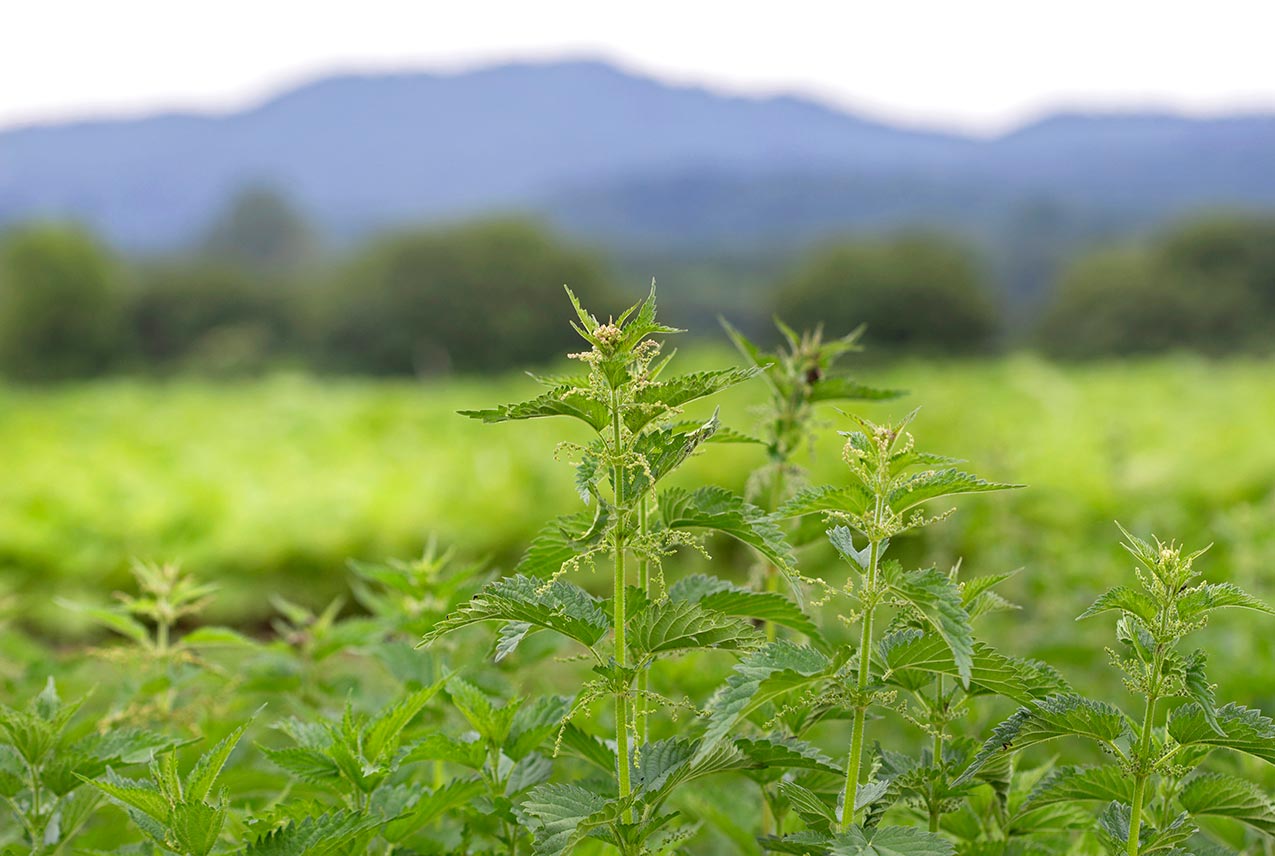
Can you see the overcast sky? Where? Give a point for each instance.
(973, 65)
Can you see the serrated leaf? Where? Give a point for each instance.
(119, 622)
(840, 388)
(384, 733)
(562, 540)
(772, 756)
(196, 826)
(778, 668)
(142, 797)
(922, 487)
(1048, 719)
(656, 400)
(853, 499)
(890, 841)
(664, 450)
(725, 597)
(204, 774)
(1218, 795)
(1198, 688)
(1242, 730)
(907, 652)
(806, 804)
(1068, 784)
(677, 625)
(933, 594)
(558, 605)
(722, 511)
(434, 805)
(325, 835)
(1123, 599)
(562, 815)
(1210, 596)
(309, 765)
(561, 401)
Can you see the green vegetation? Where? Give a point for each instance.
(799, 674)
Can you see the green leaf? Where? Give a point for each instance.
(111, 619)
(909, 652)
(807, 805)
(327, 835)
(1218, 795)
(560, 401)
(890, 841)
(492, 722)
(664, 450)
(534, 723)
(853, 499)
(307, 764)
(562, 815)
(206, 770)
(559, 606)
(384, 734)
(656, 400)
(1198, 688)
(933, 594)
(1242, 730)
(136, 795)
(934, 484)
(562, 540)
(722, 511)
(722, 596)
(436, 804)
(778, 668)
(584, 745)
(1123, 599)
(772, 756)
(1048, 719)
(196, 826)
(1207, 597)
(440, 747)
(1070, 784)
(840, 388)
(678, 625)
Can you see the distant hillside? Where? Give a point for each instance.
(620, 158)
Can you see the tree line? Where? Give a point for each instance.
(260, 291)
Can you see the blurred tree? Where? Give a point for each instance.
(916, 292)
(1207, 285)
(60, 304)
(207, 316)
(475, 297)
(262, 231)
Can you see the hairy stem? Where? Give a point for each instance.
(644, 583)
(623, 756)
(939, 708)
(851, 792)
(1144, 773)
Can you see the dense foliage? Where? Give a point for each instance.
(693, 699)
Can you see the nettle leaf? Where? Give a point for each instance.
(659, 398)
(890, 841)
(208, 768)
(441, 747)
(1123, 599)
(722, 596)
(840, 388)
(664, 450)
(933, 594)
(807, 805)
(705, 761)
(722, 511)
(562, 815)
(534, 723)
(1207, 597)
(307, 764)
(558, 605)
(561, 401)
(1218, 795)
(924, 486)
(677, 625)
(1069, 784)
(1241, 730)
(583, 745)
(774, 755)
(776, 669)
(326, 835)
(911, 657)
(1048, 719)
(492, 722)
(1198, 688)
(384, 734)
(853, 499)
(435, 804)
(562, 540)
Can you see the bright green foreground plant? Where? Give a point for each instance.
(632, 408)
(1157, 797)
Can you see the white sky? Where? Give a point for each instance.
(974, 65)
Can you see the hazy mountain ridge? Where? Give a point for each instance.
(618, 157)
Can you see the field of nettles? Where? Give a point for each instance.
(658, 605)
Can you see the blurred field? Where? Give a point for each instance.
(271, 485)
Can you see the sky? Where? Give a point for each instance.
(975, 66)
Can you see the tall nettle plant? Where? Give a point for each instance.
(632, 408)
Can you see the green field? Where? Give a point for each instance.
(270, 486)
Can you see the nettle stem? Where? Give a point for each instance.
(851, 792)
(644, 583)
(620, 617)
(940, 709)
(1143, 770)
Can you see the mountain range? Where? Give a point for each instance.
(624, 160)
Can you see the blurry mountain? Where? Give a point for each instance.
(625, 160)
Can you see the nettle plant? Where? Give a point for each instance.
(632, 407)
(787, 689)
(1158, 799)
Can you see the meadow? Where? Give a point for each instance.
(269, 487)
